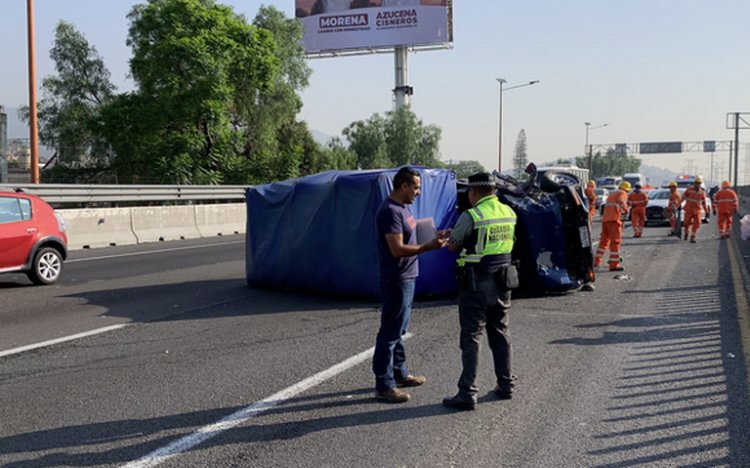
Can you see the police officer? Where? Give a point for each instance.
(484, 236)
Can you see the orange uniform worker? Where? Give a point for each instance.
(638, 199)
(674, 203)
(726, 202)
(695, 201)
(591, 196)
(614, 209)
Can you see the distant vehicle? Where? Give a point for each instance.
(635, 178)
(581, 174)
(32, 238)
(684, 181)
(657, 202)
(609, 182)
(601, 194)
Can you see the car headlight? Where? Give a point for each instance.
(60, 222)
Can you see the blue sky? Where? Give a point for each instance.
(654, 70)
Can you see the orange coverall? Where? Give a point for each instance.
(614, 208)
(674, 202)
(695, 201)
(591, 195)
(726, 203)
(638, 201)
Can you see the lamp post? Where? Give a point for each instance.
(502, 81)
(587, 147)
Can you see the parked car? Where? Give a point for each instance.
(32, 237)
(657, 202)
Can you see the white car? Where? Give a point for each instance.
(657, 202)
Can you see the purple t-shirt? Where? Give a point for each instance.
(395, 218)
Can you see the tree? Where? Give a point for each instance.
(611, 164)
(464, 169)
(70, 111)
(398, 139)
(193, 61)
(520, 159)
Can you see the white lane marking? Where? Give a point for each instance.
(43, 344)
(235, 419)
(134, 254)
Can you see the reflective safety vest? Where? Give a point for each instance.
(494, 226)
(695, 199)
(726, 200)
(638, 199)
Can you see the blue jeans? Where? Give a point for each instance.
(389, 359)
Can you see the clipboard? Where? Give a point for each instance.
(425, 230)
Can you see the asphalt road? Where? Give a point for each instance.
(649, 370)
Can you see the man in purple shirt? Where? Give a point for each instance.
(398, 271)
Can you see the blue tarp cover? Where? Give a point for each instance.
(317, 233)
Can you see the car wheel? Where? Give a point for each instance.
(553, 181)
(47, 266)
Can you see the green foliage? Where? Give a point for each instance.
(69, 111)
(398, 139)
(520, 159)
(610, 164)
(464, 169)
(216, 101)
(192, 59)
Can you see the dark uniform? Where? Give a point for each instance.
(485, 277)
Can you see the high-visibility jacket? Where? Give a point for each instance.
(695, 200)
(495, 225)
(638, 199)
(726, 201)
(616, 206)
(675, 200)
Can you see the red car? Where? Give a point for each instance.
(32, 237)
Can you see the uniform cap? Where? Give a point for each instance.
(482, 179)
(638, 186)
(625, 185)
(698, 180)
(672, 184)
(725, 184)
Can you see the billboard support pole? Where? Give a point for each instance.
(402, 91)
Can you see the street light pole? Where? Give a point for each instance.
(588, 148)
(502, 81)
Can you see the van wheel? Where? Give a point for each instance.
(47, 266)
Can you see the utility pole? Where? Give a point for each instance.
(33, 131)
(736, 145)
(3, 146)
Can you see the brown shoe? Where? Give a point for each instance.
(393, 395)
(412, 381)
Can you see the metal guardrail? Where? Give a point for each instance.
(72, 193)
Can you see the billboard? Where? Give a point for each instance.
(663, 147)
(339, 25)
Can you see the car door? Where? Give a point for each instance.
(17, 231)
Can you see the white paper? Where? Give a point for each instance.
(425, 230)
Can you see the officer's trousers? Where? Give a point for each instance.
(484, 308)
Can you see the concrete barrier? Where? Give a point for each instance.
(220, 220)
(91, 228)
(163, 223)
